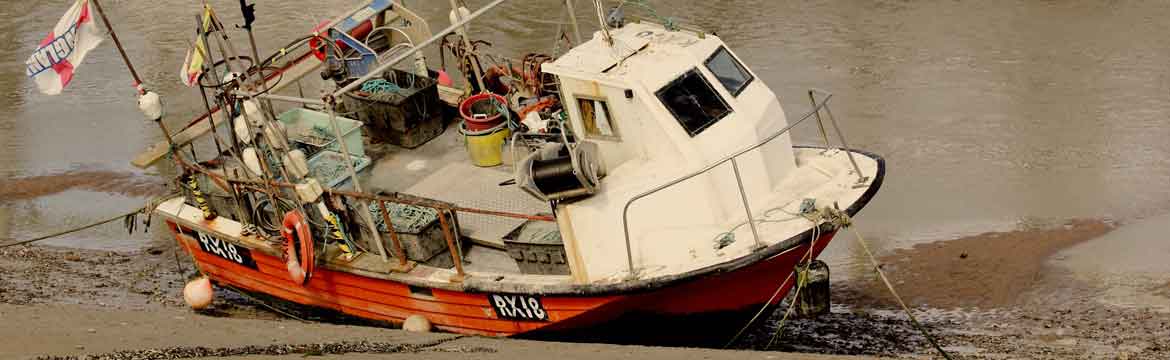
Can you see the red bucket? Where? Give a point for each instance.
(483, 112)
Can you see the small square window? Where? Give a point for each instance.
(596, 118)
(729, 71)
(693, 101)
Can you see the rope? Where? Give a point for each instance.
(262, 303)
(816, 230)
(670, 23)
(890, 287)
(838, 219)
(799, 284)
(73, 230)
(380, 86)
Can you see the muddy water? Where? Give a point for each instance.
(992, 116)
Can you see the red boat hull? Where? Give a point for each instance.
(742, 289)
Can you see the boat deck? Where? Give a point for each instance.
(442, 170)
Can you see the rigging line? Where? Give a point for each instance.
(73, 230)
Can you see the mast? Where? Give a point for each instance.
(121, 50)
(148, 102)
(573, 21)
(462, 30)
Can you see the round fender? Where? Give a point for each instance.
(298, 252)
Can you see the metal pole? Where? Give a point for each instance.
(273, 199)
(393, 234)
(285, 98)
(821, 124)
(446, 225)
(573, 20)
(202, 92)
(249, 13)
(848, 152)
(357, 186)
(467, 44)
(743, 195)
(417, 47)
(209, 63)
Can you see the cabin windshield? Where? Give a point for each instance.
(730, 72)
(693, 101)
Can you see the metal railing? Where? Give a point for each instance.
(447, 213)
(823, 104)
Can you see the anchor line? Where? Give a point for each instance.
(73, 230)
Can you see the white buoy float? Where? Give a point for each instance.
(198, 293)
(417, 323)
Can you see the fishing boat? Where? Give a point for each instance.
(645, 170)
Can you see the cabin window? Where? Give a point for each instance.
(596, 118)
(693, 101)
(730, 72)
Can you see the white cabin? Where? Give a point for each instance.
(674, 102)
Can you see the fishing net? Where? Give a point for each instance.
(405, 218)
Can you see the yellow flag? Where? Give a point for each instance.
(197, 54)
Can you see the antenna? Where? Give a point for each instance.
(601, 20)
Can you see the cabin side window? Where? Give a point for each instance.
(596, 118)
(730, 72)
(693, 102)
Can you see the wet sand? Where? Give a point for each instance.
(984, 271)
(77, 304)
(58, 295)
(123, 183)
(76, 332)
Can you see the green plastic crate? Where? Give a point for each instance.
(312, 129)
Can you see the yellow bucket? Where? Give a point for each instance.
(485, 147)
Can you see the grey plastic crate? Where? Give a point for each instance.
(538, 249)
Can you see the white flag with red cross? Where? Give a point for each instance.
(52, 65)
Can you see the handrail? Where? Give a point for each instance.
(443, 210)
(817, 107)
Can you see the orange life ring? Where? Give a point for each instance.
(297, 237)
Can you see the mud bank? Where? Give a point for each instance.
(123, 183)
(985, 271)
(992, 295)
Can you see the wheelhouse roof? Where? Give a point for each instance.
(641, 52)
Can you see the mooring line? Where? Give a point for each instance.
(799, 284)
(73, 230)
(262, 303)
(839, 219)
(807, 256)
(877, 268)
